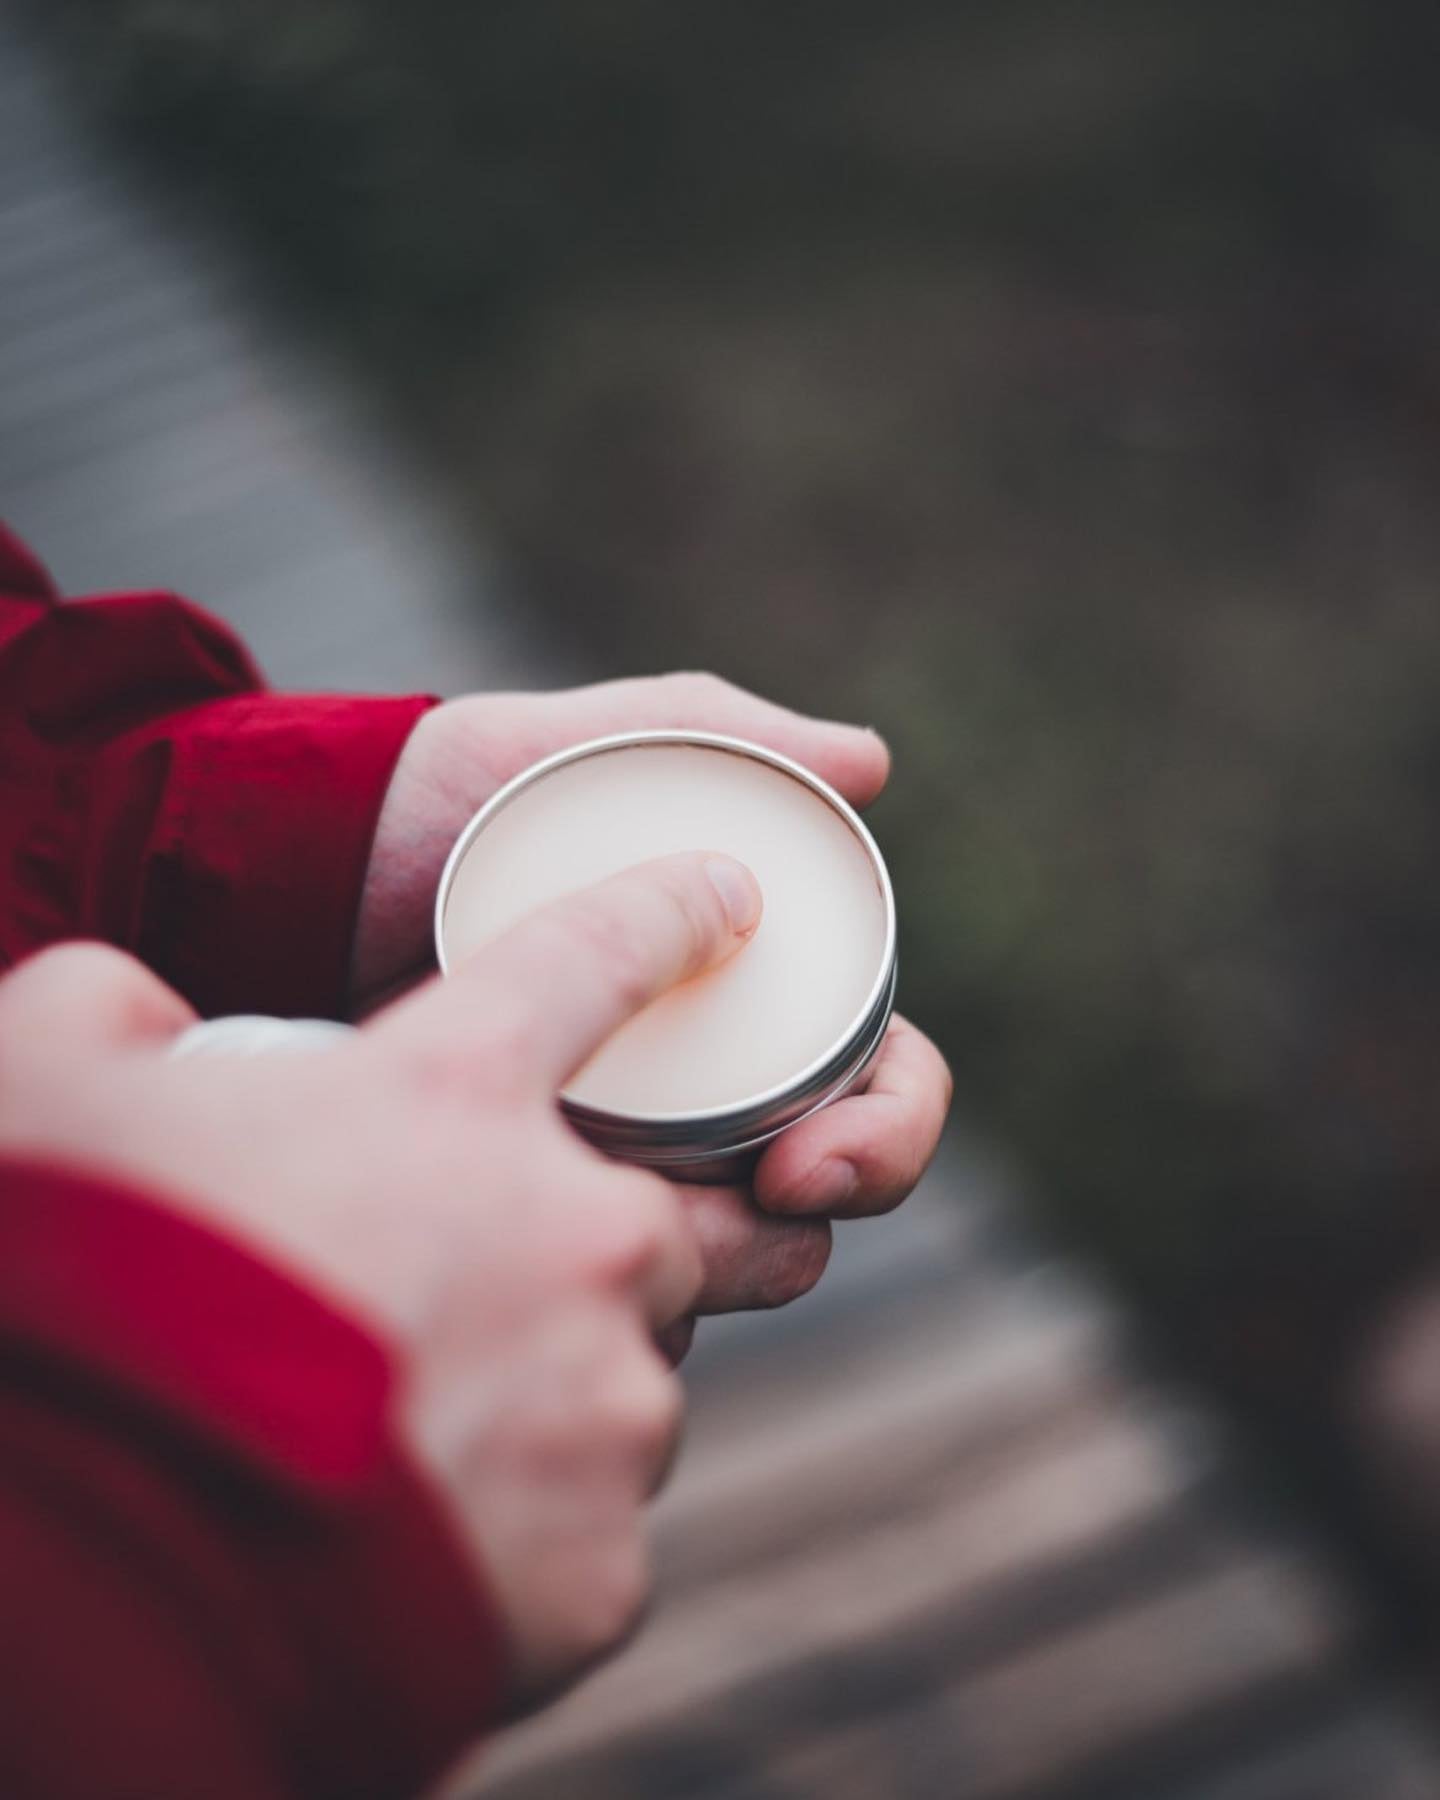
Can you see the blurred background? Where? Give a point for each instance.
(1059, 390)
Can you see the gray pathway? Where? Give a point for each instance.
(152, 434)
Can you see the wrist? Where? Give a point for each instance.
(417, 824)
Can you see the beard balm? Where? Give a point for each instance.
(705, 1075)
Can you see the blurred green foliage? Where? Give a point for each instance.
(1058, 388)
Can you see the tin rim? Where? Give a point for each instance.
(834, 1064)
(667, 1140)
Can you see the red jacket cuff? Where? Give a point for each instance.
(256, 859)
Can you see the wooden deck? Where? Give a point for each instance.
(940, 1541)
(933, 1537)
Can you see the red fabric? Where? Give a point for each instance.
(153, 794)
(218, 1576)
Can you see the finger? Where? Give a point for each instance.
(645, 1243)
(651, 1414)
(519, 729)
(750, 1260)
(555, 986)
(864, 1154)
(86, 993)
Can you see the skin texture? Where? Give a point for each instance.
(422, 1178)
(761, 1245)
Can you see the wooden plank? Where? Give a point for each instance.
(1079, 1698)
(1037, 1720)
(1080, 1486)
(786, 1465)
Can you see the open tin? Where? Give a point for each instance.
(721, 1142)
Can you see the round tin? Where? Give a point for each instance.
(719, 1143)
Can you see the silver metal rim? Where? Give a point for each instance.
(764, 1114)
(732, 1135)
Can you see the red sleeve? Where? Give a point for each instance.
(219, 1577)
(153, 794)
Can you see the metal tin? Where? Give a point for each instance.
(719, 1143)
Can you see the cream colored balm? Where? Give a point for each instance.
(776, 1029)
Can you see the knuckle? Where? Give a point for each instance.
(889, 1172)
(940, 1071)
(100, 965)
(896, 1177)
(656, 1407)
(90, 989)
(698, 687)
(641, 1234)
(641, 1412)
(615, 1597)
(643, 1243)
(930, 1059)
(888, 1192)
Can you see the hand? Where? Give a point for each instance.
(860, 1156)
(767, 1244)
(465, 750)
(422, 1176)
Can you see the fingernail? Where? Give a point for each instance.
(738, 890)
(828, 1186)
